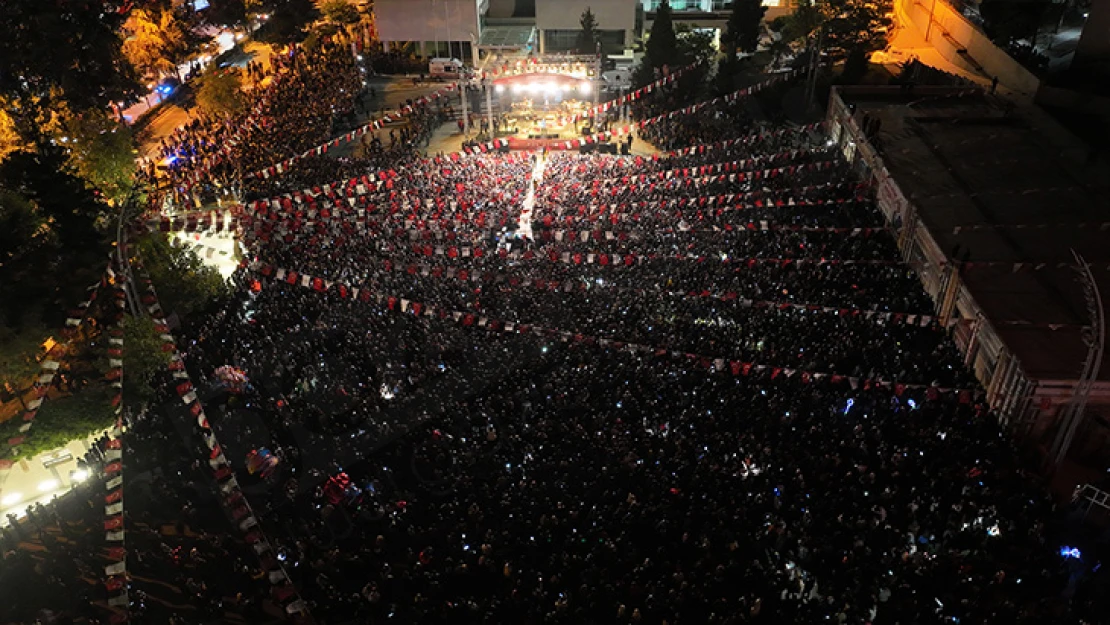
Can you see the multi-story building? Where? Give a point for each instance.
(708, 14)
(451, 27)
(559, 22)
(434, 28)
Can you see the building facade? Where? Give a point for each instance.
(559, 22)
(1003, 281)
(431, 28)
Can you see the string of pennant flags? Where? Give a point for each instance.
(715, 200)
(440, 230)
(362, 184)
(755, 163)
(604, 107)
(232, 498)
(747, 139)
(733, 171)
(713, 364)
(115, 572)
(372, 126)
(504, 282)
(48, 368)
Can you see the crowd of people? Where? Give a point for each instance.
(699, 387)
(296, 107)
(722, 398)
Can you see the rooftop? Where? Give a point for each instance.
(998, 194)
(508, 36)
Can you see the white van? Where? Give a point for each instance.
(445, 69)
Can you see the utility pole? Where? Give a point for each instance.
(1094, 336)
(597, 74)
(814, 64)
(489, 106)
(465, 96)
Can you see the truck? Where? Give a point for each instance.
(445, 69)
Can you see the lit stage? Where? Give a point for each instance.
(543, 110)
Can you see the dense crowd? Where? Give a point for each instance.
(308, 92)
(725, 410)
(694, 388)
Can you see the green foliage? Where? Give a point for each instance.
(19, 224)
(102, 152)
(18, 349)
(184, 283)
(694, 46)
(745, 24)
(159, 39)
(339, 11)
(220, 93)
(50, 249)
(287, 22)
(58, 194)
(588, 37)
(855, 25)
(662, 44)
(226, 12)
(142, 359)
(800, 24)
(66, 50)
(61, 420)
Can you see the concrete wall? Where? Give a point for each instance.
(427, 20)
(952, 33)
(565, 14)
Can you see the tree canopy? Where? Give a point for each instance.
(339, 12)
(158, 41)
(694, 45)
(745, 23)
(662, 43)
(70, 50)
(287, 22)
(220, 92)
(62, 420)
(588, 37)
(226, 12)
(185, 284)
(102, 152)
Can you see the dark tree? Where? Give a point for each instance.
(662, 44)
(744, 26)
(588, 37)
(43, 176)
(288, 21)
(226, 12)
(69, 51)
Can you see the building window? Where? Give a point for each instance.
(676, 5)
(722, 5)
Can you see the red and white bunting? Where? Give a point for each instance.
(232, 497)
(713, 364)
(115, 571)
(48, 368)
